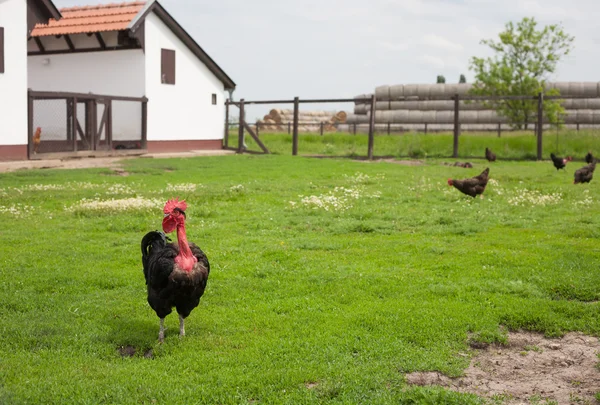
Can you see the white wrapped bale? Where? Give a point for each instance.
(429, 116)
(411, 90)
(382, 93)
(396, 92)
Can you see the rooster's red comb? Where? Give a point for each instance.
(175, 203)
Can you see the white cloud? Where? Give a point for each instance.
(393, 46)
(437, 41)
(534, 8)
(433, 61)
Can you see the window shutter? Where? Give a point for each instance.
(214, 99)
(167, 68)
(1, 49)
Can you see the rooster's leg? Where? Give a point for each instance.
(181, 327)
(161, 332)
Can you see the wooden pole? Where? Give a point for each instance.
(372, 128)
(109, 124)
(456, 126)
(295, 133)
(257, 129)
(389, 128)
(321, 128)
(74, 123)
(226, 135)
(499, 129)
(289, 127)
(540, 124)
(578, 127)
(144, 142)
(29, 125)
(241, 128)
(425, 127)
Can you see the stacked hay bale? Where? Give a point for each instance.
(407, 107)
(308, 121)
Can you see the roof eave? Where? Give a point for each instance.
(50, 8)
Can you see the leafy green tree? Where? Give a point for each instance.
(524, 59)
(441, 79)
(462, 79)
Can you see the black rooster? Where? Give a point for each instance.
(473, 186)
(559, 162)
(176, 274)
(589, 158)
(489, 155)
(585, 174)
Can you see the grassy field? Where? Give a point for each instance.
(330, 279)
(510, 146)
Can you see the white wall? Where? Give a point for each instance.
(13, 83)
(114, 73)
(183, 111)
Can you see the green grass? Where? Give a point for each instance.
(303, 305)
(510, 146)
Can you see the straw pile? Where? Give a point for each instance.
(308, 121)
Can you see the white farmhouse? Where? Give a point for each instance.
(116, 76)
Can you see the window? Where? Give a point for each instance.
(167, 66)
(214, 99)
(1, 49)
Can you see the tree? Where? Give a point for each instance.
(525, 57)
(462, 79)
(441, 79)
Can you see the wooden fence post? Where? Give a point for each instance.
(30, 125)
(295, 132)
(74, 123)
(540, 124)
(372, 128)
(289, 127)
(241, 128)
(425, 127)
(456, 125)
(321, 128)
(144, 142)
(389, 128)
(257, 129)
(499, 129)
(226, 135)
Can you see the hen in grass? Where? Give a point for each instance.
(176, 274)
(559, 162)
(589, 158)
(585, 174)
(489, 155)
(473, 186)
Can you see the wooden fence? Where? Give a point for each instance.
(371, 101)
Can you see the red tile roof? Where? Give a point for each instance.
(90, 19)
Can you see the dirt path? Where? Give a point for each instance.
(92, 162)
(529, 370)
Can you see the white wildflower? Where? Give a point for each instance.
(182, 187)
(124, 204)
(523, 197)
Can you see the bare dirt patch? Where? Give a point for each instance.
(529, 370)
(130, 351)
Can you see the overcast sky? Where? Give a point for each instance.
(276, 49)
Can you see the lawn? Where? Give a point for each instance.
(518, 145)
(330, 279)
